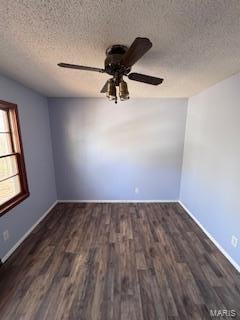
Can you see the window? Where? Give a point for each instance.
(13, 179)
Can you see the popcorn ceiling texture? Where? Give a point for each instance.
(195, 43)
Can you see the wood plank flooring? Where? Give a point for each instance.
(118, 262)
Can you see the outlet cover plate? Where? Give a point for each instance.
(5, 235)
(234, 241)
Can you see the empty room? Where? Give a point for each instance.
(119, 159)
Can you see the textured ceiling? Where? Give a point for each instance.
(196, 43)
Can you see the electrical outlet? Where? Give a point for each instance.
(5, 235)
(234, 241)
(136, 190)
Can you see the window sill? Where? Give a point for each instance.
(13, 203)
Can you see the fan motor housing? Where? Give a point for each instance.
(112, 62)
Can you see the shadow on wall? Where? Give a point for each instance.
(108, 149)
(143, 139)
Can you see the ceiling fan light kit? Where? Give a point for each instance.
(123, 90)
(118, 63)
(111, 90)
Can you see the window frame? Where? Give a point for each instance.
(17, 146)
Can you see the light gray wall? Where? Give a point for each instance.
(210, 185)
(34, 122)
(103, 151)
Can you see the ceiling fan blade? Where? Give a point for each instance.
(137, 49)
(144, 78)
(76, 66)
(104, 88)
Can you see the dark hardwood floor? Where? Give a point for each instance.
(119, 262)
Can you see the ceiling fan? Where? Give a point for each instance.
(118, 63)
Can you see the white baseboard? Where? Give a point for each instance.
(8, 254)
(117, 201)
(230, 259)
